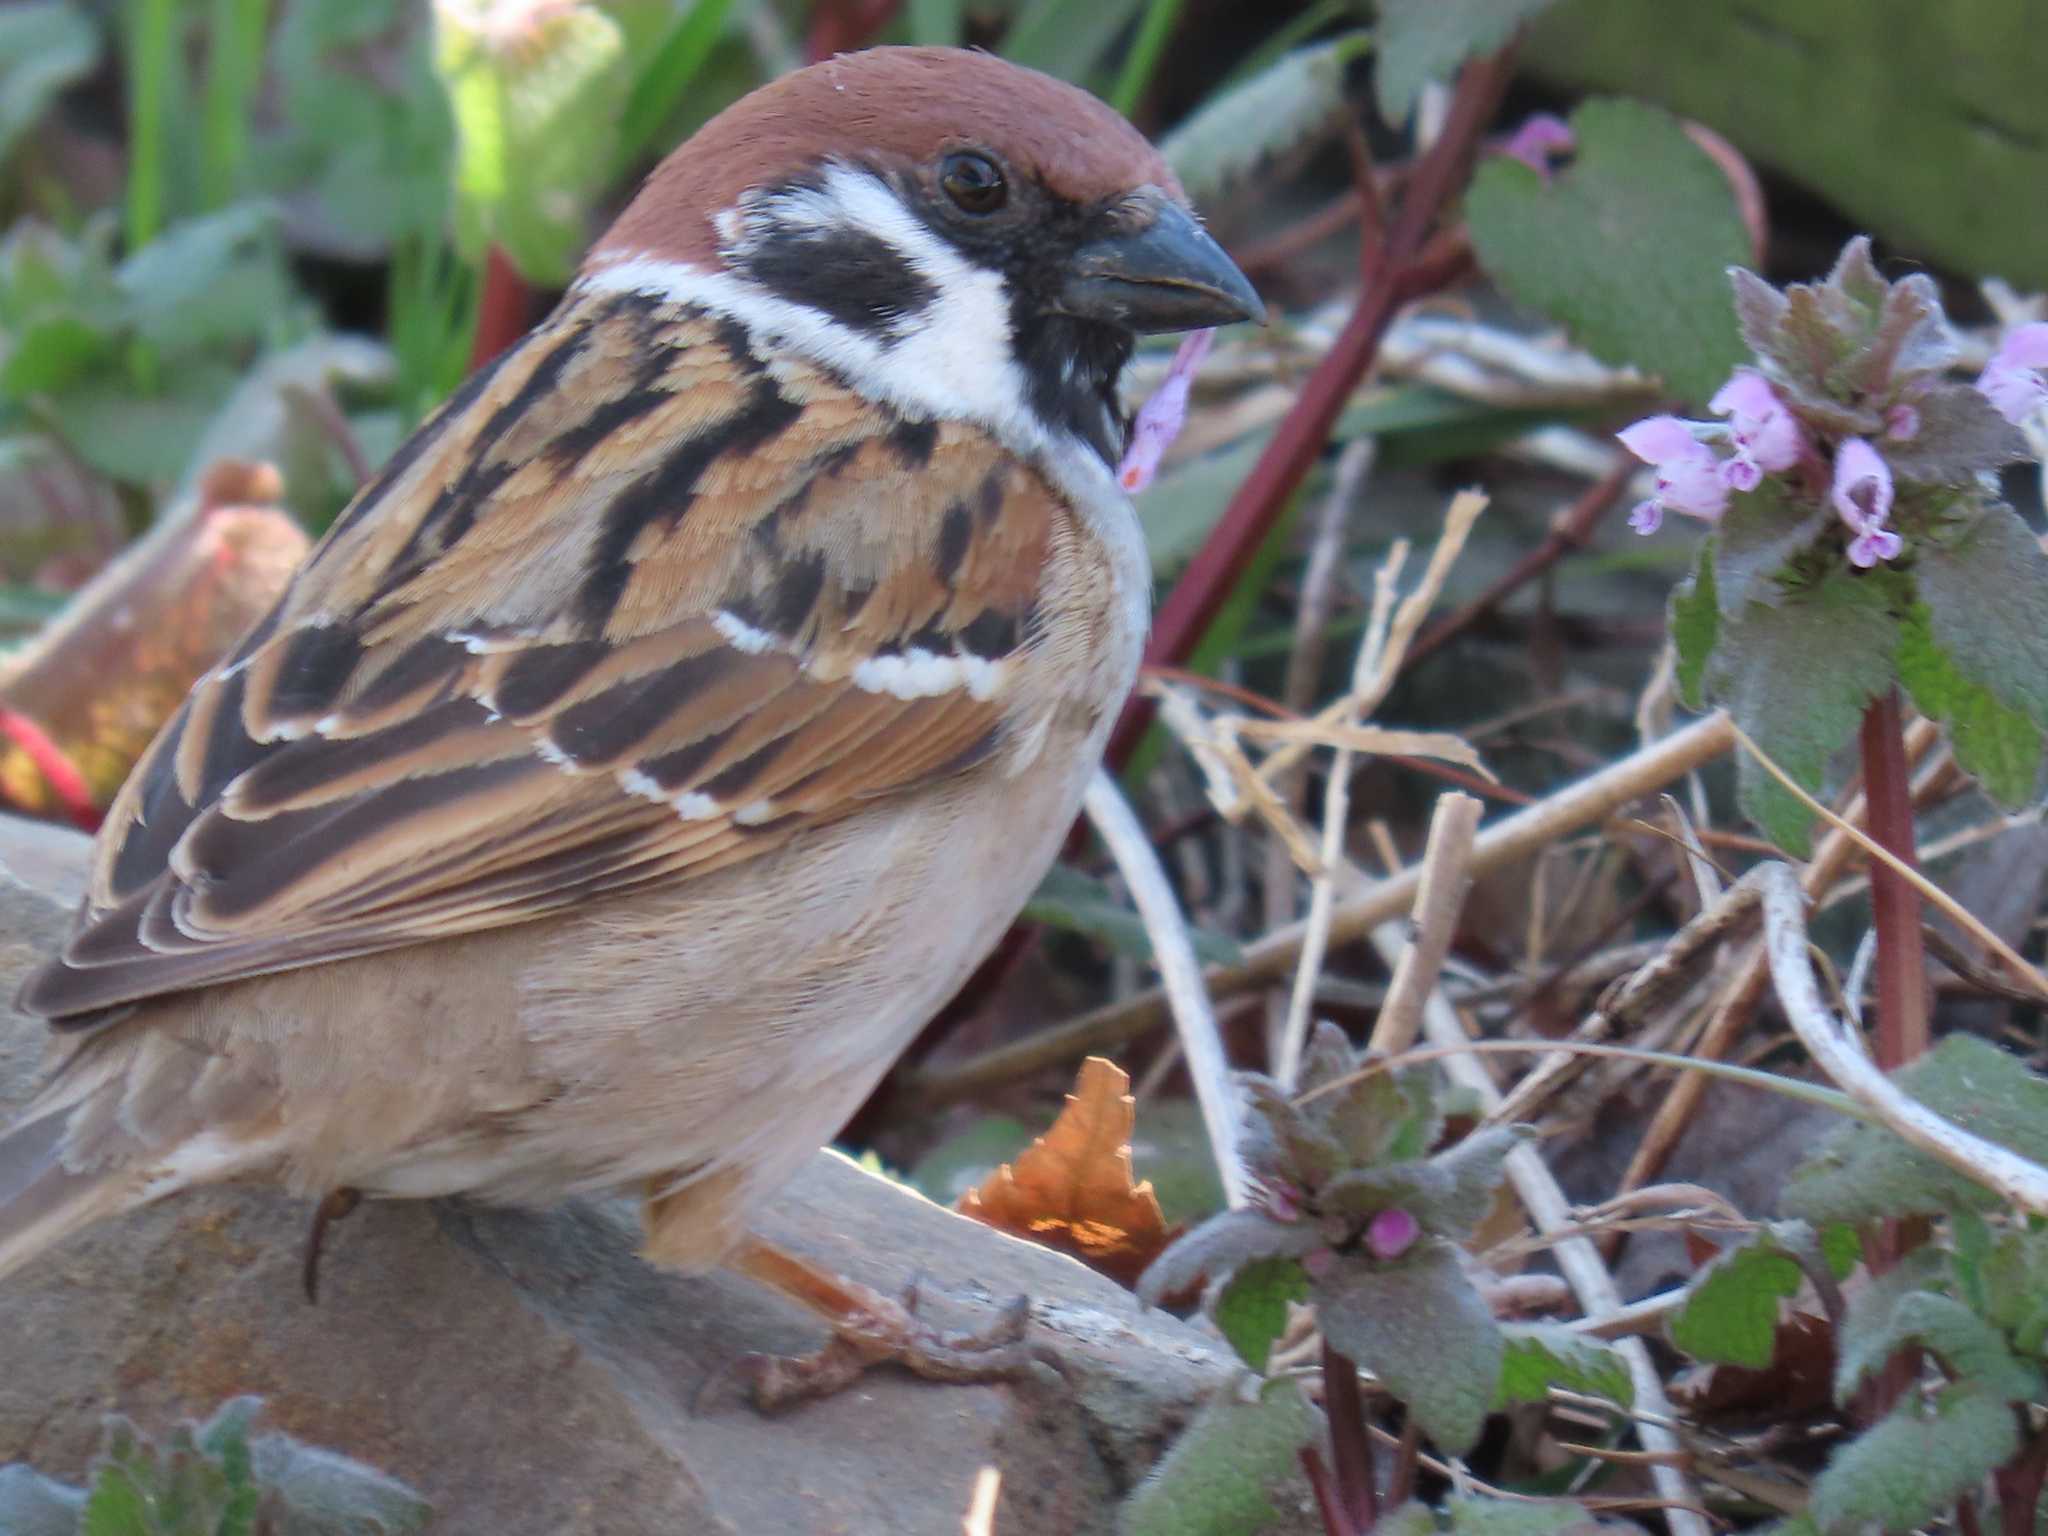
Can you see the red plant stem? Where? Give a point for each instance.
(1335, 1521)
(67, 785)
(1901, 954)
(502, 309)
(2019, 1483)
(1350, 1442)
(1389, 279)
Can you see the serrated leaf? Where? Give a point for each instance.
(1628, 246)
(1251, 1309)
(1474, 1167)
(1755, 542)
(1986, 590)
(1695, 622)
(43, 48)
(1232, 1471)
(1220, 1247)
(1863, 1172)
(1070, 899)
(1999, 747)
(1961, 434)
(1285, 1141)
(1425, 40)
(1540, 1356)
(1241, 129)
(1420, 1326)
(1913, 1465)
(1970, 1347)
(116, 1504)
(1730, 1314)
(2015, 1282)
(1796, 676)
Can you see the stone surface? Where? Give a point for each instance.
(528, 1374)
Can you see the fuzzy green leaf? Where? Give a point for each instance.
(1232, 1471)
(1986, 591)
(1474, 1167)
(1695, 625)
(1073, 900)
(2014, 1276)
(1220, 1247)
(1998, 746)
(1863, 1172)
(1245, 127)
(1755, 542)
(1252, 1309)
(1067, 38)
(1730, 1315)
(1425, 40)
(34, 1505)
(1628, 246)
(1960, 434)
(1901, 1308)
(1545, 1355)
(43, 48)
(1472, 1515)
(1914, 1464)
(1420, 1326)
(1796, 676)
(1841, 1245)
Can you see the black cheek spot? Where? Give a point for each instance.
(857, 278)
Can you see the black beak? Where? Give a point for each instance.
(1159, 272)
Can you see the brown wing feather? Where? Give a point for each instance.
(622, 613)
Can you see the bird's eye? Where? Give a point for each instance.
(974, 182)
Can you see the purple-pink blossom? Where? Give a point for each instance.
(1392, 1233)
(1160, 418)
(1862, 494)
(1689, 477)
(2013, 381)
(1902, 422)
(1768, 437)
(1540, 137)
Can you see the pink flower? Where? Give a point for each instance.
(1768, 437)
(1862, 494)
(1902, 422)
(1688, 474)
(1160, 419)
(1391, 1233)
(1538, 139)
(2012, 382)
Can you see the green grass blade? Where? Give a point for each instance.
(668, 75)
(150, 61)
(1155, 27)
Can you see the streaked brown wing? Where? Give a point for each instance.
(623, 613)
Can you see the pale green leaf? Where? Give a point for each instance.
(1068, 38)
(1251, 1310)
(43, 48)
(1244, 127)
(1628, 246)
(1232, 1471)
(1986, 591)
(1885, 1319)
(1472, 1515)
(1998, 746)
(1070, 899)
(1695, 622)
(1912, 1465)
(1545, 1355)
(1731, 1308)
(1425, 40)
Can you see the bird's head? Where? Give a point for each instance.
(971, 238)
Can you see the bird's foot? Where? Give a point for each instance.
(870, 1329)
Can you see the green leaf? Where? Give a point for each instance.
(1986, 591)
(1628, 246)
(1905, 1306)
(1796, 676)
(1474, 1167)
(1730, 1314)
(1232, 1471)
(1965, 198)
(1243, 128)
(1070, 899)
(43, 48)
(1756, 541)
(1068, 38)
(1997, 746)
(1862, 1172)
(34, 1505)
(2015, 1282)
(1913, 1465)
(328, 1494)
(1425, 40)
(1695, 622)
(1842, 1247)
(53, 352)
(220, 277)
(1420, 1326)
(1472, 1515)
(1252, 1309)
(535, 119)
(1545, 1355)
(1220, 1247)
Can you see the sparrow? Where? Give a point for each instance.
(669, 728)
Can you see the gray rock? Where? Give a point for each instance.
(528, 1374)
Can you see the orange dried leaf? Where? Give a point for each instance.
(1072, 1189)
